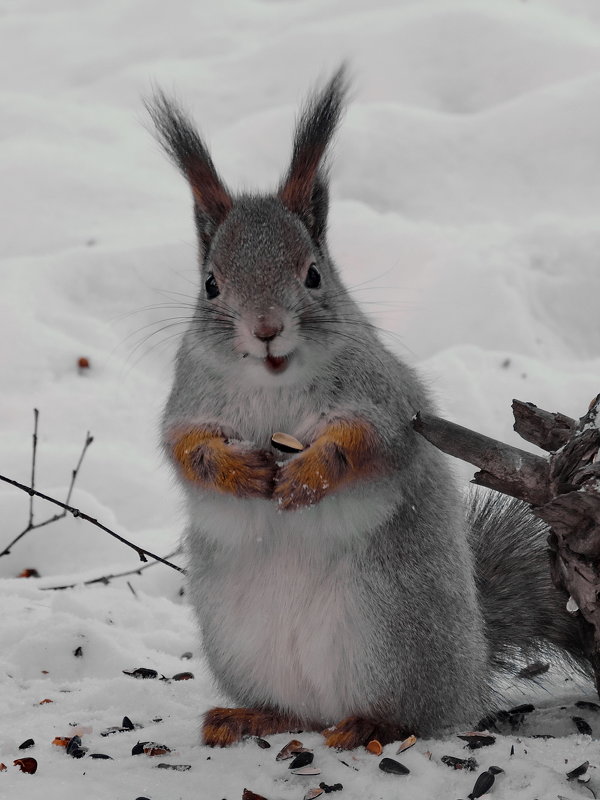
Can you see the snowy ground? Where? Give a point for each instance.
(466, 212)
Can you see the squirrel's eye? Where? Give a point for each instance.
(313, 278)
(212, 287)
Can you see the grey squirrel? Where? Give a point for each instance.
(348, 588)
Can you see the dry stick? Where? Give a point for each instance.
(31, 525)
(142, 552)
(106, 579)
(504, 468)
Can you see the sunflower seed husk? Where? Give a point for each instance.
(408, 742)
(290, 750)
(303, 759)
(582, 725)
(587, 705)
(476, 740)
(312, 793)
(525, 708)
(393, 767)
(484, 782)
(468, 764)
(375, 747)
(100, 755)
(308, 770)
(262, 743)
(335, 787)
(142, 672)
(286, 443)
(27, 743)
(578, 771)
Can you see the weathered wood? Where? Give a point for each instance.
(563, 490)
(504, 468)
(546, 429)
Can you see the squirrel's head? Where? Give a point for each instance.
(269, 292)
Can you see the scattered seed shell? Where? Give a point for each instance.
(291, 749)
(187, 656)
(176, 767)
(303, 759)
(153, 749)
(61, 741)
(28, 765)
(525, 708)
(78, 652)
(262, 743)
(484, 783)
(582, 725)
(542, 736)
(476, 740)
(375, 747)
(335, 787)
(286, 443)
(248, 795)
(100, 755)
(141, 672)
(587, 705)
(312, 793)
(29, 573)
(308, 770)
(127, 724)
(468, 764)
(578, 771)
(45, 701)
(393, 767)
(183, 676)
(408, 742)
(3, 767)
(27, 743)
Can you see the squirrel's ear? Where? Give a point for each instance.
(183, 145)
(304, 189)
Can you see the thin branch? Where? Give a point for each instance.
(142, 552)
(106, 579)
(31, 525)
(36, 415)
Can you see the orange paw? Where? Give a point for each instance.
(225, 726)
(345, 451)
(207, 458)
(353, 732)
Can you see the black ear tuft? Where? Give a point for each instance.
(183, 145)
(304, 189)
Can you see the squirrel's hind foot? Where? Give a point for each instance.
(353, 732)
(224, 726)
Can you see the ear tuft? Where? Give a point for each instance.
(304, 189)
(182, 143)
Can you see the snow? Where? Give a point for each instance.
(466, 214)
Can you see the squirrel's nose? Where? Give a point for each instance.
(267, 331)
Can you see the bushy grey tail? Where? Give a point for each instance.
(522, 608)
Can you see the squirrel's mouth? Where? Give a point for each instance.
(276, 364)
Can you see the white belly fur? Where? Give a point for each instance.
(276, 605)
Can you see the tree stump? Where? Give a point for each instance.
(563, 489)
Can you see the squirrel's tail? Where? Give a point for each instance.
(523, 610)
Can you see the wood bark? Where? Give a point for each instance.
(562, 488)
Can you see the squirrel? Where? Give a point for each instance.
(350, 588)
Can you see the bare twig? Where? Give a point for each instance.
(31, 525)
(106, 579)
(142, 552)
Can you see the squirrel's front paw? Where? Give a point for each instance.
(307, 478)
(208, 459)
